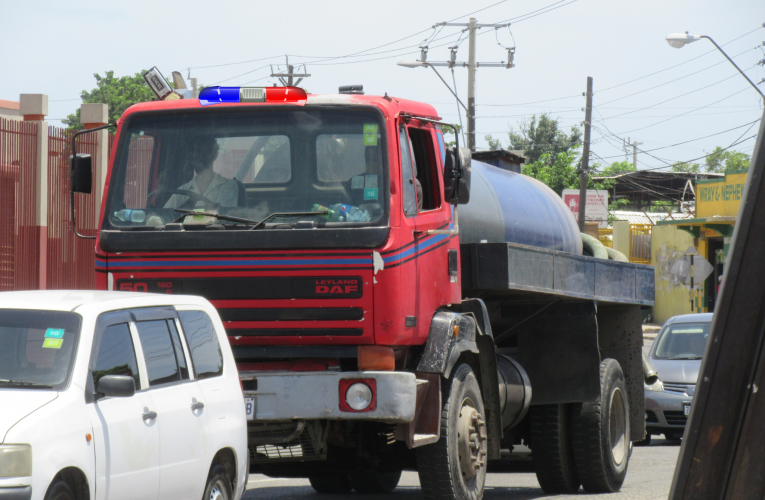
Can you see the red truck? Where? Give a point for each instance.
(392, 305)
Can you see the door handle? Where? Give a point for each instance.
(197, 406)
(150, 415)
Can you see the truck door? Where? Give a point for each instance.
(430, 279)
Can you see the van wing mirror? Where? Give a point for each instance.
(81, 173)
(457, 170)
(116, 386)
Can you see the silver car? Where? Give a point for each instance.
(676, 356)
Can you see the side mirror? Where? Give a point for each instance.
(81, 173)
(116, 386)
(453, 186)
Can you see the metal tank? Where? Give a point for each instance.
(509, 207)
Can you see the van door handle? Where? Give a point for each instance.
(150, 415)
(197, 406)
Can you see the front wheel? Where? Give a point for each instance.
(59, 490)
(600, 433)
(330, 484)
(374, 482)
(218, 484)
(454, 468)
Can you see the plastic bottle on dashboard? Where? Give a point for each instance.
(128, 215)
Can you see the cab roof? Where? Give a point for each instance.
(390, 106)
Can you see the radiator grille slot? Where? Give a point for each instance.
(675, 417)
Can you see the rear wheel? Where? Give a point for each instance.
(551, 449)
(330, 484)
(600, 433)
(454, 468)
(374, 482)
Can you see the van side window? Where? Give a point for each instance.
(178, 348)
(426, 170)
(116, 355)
(203, 343)
(407, 177)
(158, 352)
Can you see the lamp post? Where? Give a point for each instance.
(680, 40)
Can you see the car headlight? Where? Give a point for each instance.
(656, 386)
(15, 460)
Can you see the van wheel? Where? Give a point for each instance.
(551, 449)
(59, 490)
(600, 433)
(330, 484)
(218, 484)
(454, 468)
(374, 482)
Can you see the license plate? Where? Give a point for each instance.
(249, 406)
(686, 409)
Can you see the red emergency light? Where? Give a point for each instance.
(274, 95)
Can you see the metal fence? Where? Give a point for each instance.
(71, 260)
(19, 239)
(640, 243)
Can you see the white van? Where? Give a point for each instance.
(114, 395)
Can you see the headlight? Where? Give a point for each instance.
(656, 386)
(359, 396)
(15, 460)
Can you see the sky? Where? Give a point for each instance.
(644, 90)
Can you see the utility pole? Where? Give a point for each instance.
(585, 156)
(472, 65)
(289, 75)
(471, 85)
(634, 153)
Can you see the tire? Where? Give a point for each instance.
(600, 433)
(551, 449)
(452, 469)
(374, 482)
(646, 441)
(218, 484)
(330, 484)
(59, 490)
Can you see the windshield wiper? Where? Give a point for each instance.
(210, 214)
(686, 357)
(31, 385)
(289, 214)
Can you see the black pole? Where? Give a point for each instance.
(585, 156)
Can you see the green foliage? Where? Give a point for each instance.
(542, 136)
(448, 131)
(557, 172)
(118, 93)
(723, 161)
(686, 167)
(494, 144)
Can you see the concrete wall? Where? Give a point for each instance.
(672, 297)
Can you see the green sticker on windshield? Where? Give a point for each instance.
(54, 333)
(370, 134)
(370, 193)
(53, 343)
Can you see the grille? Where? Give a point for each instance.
(650, 417)
(310, 444)
(679, 388)
(675, 417)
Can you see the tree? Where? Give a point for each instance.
(539, 136)
(448, 131)
(118, 93)
(558, 172)
(721, 161)
(691, 168)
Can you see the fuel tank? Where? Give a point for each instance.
(510, 207)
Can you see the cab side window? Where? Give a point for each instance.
(116, 355)
(160, 352)
(203, 344)
(407, 177)
(426, 169)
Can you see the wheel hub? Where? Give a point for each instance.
(618, 427)
(471, 441)
(216, 493)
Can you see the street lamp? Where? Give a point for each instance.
(680, 40)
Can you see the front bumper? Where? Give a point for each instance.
(16, 493)
(666, 411)
(316, 395)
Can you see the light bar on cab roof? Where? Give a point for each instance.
(218, 95)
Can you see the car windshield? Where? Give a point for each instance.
(37, 348)
(682, 341)
(247, 166)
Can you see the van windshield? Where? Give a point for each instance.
(37, 348)
(247, 165)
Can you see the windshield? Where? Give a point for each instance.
(247, 166)
(682, 341)
(37, 348)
